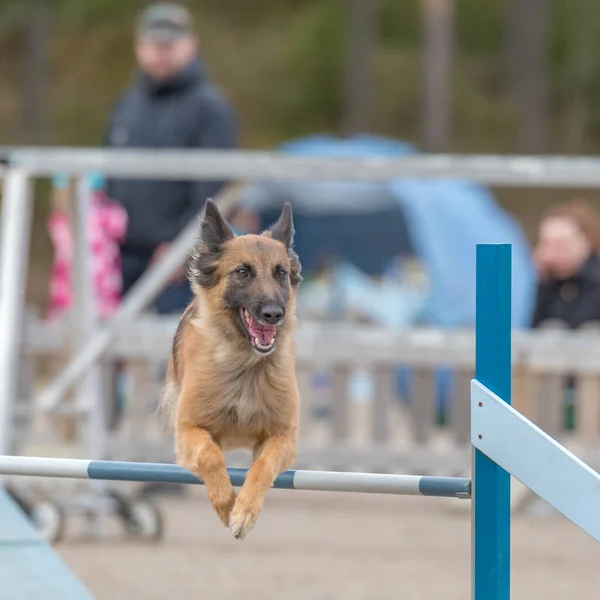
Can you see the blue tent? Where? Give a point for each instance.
(446, 220)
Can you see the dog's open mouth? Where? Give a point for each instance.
(262, 337)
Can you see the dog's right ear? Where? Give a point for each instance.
(283, 229)
(214, 232)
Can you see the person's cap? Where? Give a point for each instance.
(165, 22)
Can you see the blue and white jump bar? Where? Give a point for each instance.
(324, 481)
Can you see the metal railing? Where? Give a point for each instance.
(21, 165)
(517, 171)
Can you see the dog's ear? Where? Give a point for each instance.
(295, 268)
(215, 230)
(283, 229)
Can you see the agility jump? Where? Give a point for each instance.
(504, 443)
(320, 481)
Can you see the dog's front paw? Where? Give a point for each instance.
(223, 501)
(243, 517)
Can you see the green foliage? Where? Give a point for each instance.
(316, 57)
(399, 23)
(479, 30)
(562, 34)
(282, 62)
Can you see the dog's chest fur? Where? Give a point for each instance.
(250, 403)
(238, 396)
(243, 399)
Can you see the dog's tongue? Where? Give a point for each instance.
(264, 333)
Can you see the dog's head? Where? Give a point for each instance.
(248, 282)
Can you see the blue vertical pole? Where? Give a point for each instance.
(491, 484)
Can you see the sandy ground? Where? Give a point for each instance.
(323, 546)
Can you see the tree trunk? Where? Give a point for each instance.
(532, 67)
(359, 68)
(512, 36)
(581, 72)
(436, 73)
(35, 56)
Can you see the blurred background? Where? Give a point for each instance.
(519, 76)
(391, 264)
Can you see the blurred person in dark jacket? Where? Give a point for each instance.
(567, 260)
(171, 104)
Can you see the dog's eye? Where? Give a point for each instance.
(280, 273)
(242, 272)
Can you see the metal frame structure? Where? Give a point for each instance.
(17, 212)
(504, 443)
(491, 484)
(513, 171)
(21, 165)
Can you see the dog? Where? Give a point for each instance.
(231, 379)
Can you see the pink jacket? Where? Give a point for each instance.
(108, 224)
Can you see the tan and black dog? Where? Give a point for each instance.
(231, 379)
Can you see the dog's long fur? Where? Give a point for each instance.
(221, 393)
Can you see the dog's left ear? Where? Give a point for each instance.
(283, 229)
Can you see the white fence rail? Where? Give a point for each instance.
(519, 171)
(375, 427)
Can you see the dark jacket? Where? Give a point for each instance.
(575, 300)
(185, 112)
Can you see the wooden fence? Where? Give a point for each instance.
(422, 426)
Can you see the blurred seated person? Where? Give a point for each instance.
(567, 261)
(172, 104)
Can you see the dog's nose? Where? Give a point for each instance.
(271, 313)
